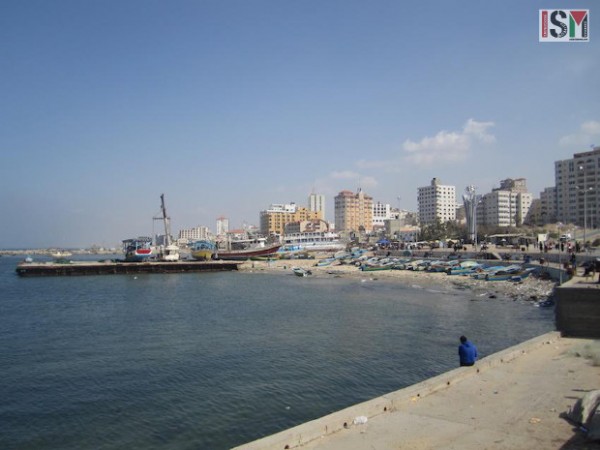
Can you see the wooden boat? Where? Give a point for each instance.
(325, 262)
(510, 276)
(247, 253)
(203, 250)
(464, 268)
(301, 272)
(137, 249)
(482, 272)
(385, 266)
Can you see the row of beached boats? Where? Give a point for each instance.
(474, 269)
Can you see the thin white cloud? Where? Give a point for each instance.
(588, 134)
(344, 175)
(337, 181)
(448, 146)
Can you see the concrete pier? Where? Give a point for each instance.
(119, 268)
(513, 399)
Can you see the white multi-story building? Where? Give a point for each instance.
(578, 189)
(316, 203)
(506, 206)
(222, 226)
(194, 234)
(381, 213)
(436, 201)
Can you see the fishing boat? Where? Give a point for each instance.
(203, 250)
(301, 272)
(503, 275)
(325, 262)
(246, 249)
(464, 268)
(384, 266)
(138, 249)
(481, 272)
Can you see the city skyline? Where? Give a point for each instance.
(227, 107)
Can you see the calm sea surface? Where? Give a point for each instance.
(213, 360)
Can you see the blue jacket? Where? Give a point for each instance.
(467, 353)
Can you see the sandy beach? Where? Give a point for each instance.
(531, 289)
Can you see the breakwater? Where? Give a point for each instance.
(119, 268)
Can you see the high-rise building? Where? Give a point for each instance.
(506, 206)
(316, 203)
(547, 213)
(578, 189)
(222, 226)
(381, 213)
(274, 219)
(353, 212)
(436, 201)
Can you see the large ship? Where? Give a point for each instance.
(138, 249)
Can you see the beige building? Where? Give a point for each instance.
(274, 219)
(353, 212)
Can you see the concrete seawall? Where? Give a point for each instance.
(397, 410)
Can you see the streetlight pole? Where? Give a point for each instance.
(585, 188)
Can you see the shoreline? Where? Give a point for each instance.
(531, 289)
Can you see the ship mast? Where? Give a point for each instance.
(165, 220)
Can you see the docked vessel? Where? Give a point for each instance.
(138, 249)
(203, 250)
(314, 241)
(247, 248)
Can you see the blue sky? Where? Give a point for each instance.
(229, 106)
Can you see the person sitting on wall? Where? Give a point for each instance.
(467, 352)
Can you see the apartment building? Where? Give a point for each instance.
(316, 203)
(506, 206)
(222, 226)
(353, 212)
(577, 183)
(436, 201)
(194, 234)
(274, 219)
(381, 213)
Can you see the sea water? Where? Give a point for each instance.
(214, 360)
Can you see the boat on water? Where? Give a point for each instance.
(203, 250)
(301, 272)
(242, 249)
(138, 249)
